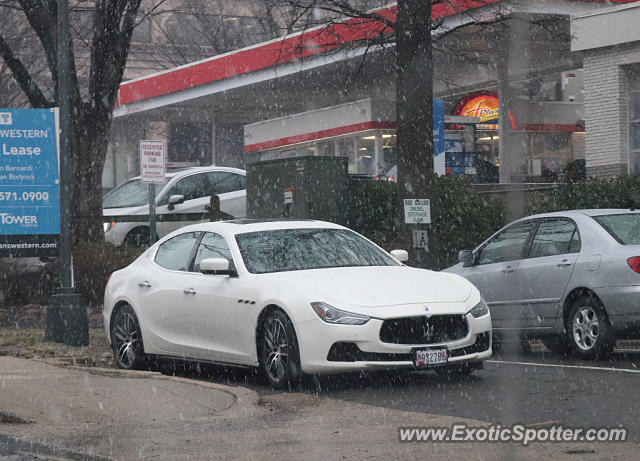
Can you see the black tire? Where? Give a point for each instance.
(138, 237)
(278, 351)
(557, 344)
(588, 330)
(454, 372)
(126, 339)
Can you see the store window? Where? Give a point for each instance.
(371, 152)
(634, 119)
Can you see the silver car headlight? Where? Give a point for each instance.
(332, 315)
(479, 310)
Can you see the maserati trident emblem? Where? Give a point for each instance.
(429, 331)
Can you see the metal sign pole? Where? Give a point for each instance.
(66, 318)
(152, 213)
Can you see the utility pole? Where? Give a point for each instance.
(414, 108)
(66, 317)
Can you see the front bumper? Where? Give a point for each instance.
(326, 348)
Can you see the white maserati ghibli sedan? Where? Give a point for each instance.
(292, 298)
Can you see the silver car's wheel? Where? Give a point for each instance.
(588, 329)
(278, 348)
(585, 328)
(126, 339)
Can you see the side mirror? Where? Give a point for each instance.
(216, 266)
(175, 200)
(467, 258)
(400, 255)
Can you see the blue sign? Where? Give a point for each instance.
(29, 183)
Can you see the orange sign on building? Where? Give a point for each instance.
(481, 104)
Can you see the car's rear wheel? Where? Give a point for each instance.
(278, 350)
(588, 329)
(137, 237)
(126, 339)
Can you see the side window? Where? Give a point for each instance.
(221, 182)
(555, 237)
(212, 246)
(507, 245)
(174, 253)
(191, 187)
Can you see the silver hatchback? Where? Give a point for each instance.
(571, 278)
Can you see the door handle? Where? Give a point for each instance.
(508, 270)
(144, 284)
(564, 263)
(189, 291)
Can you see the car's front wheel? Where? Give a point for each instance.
(278, 350)
(588, 329)
(126, 339)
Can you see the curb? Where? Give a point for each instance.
(7, 417)
(245, 401)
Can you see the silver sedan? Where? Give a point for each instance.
(571, 278)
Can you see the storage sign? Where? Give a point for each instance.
(417, 211)
(29, 183)
(152, 164)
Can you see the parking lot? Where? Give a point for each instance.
(535, 388)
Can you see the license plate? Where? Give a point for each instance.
(429, 357)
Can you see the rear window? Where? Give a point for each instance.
(625, 228)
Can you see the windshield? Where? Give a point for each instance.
(131, 193)
(625, 228)
(300, 249)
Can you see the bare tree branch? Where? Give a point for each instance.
(22, 76)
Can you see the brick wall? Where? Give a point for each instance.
(606, 111)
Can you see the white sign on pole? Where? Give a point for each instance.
(420, 239)
(152, 165)
(417, 211)
(288, 196)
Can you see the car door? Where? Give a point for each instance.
(231, 189)
(543, 276)
(495, 270)
(223, 306)
(166, 310)
(196, 192)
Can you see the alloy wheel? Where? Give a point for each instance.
(126, 339)
(586, 328)
(277, 353)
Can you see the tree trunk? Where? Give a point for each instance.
(414, 99)
(89, 146)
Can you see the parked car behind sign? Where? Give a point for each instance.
(186, 191)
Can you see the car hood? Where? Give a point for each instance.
(125, 211)
(372, 287)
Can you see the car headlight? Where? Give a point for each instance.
(108, 225)
(332, 315)
(479, 310)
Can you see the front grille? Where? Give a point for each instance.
(424, 330)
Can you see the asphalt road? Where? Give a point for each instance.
(532, 388)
